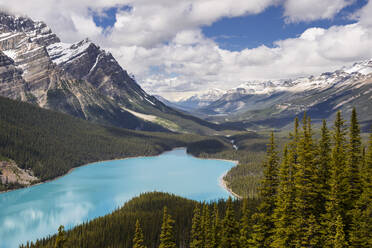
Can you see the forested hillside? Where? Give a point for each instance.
(118, 229)
(51, 143)
(316, 193)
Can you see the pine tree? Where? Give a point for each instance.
(336, 204)
(245, 226)
(361, 228)
(61, 238)
(196, 230)
(354, 163)
(230, 228)
(166, 235)
(323, 161)
(283, 213)
(207, 227)
(138, 239)
(215, 227)
(305, 181)
(339, 240)
(263, 227)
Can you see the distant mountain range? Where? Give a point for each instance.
(276, 103)
(85, 81)
(80, 79)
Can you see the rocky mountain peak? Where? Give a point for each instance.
(35, 31)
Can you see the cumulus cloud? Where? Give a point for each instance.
(305, 10)
(161, 42)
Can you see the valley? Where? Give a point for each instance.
(88, 158)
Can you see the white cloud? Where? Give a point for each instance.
(305, 10)
(162, 44)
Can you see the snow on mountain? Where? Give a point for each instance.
(79, 79)
(278, 101)
(63, 52)
(209, 95)
(364, 68)
(200, 99)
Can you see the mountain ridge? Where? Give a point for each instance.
(275, 103)
(80, 79)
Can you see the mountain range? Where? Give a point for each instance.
(80, 79)
(258, 104)
(85, 81)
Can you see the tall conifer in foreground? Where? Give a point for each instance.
(354, 164)
(336, 205)
(306, 190)
(283, 213)
(230, 228)
(216, 226)
(361, 227)
(166, 235)
(245, 226)
(138, 239)
(196, 230)
(339, 239)
(61, 238)
(324, 171)
(263, 227)
(207, 227)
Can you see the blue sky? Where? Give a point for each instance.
(250, 31)
(267, 27)
(175, 48)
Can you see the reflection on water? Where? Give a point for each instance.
(100, 188)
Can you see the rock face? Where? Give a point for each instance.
(10, 173)
(80, 79)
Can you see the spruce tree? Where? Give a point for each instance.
(354, 163)
(196, 229)
(138, 239)
(339, 239)
(283, 213)
(166, 235)
(230, 228)
(361, 228)
(245, 226)
(215, 227)
(306, 193)
(207, 227)
(61, 238)
(336, 204)
(263, 226)
(323, 162)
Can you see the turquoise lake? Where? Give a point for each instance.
(99, 188)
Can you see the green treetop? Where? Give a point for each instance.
(230, 228)
(138, 239)
(61, 238)
(354, 162)
(245, 226)
(361, 228)
(196, 230)
(166, 235)
(283, 213)
(263, 225)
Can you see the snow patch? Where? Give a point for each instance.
(63, 52)
(11, 54)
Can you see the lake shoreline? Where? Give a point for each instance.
(77, 167)
(222, 182)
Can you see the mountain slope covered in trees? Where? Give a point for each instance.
(318, 193)
(51, 143)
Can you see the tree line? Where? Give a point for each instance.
(316, 193)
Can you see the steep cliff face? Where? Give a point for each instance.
(80, 79)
